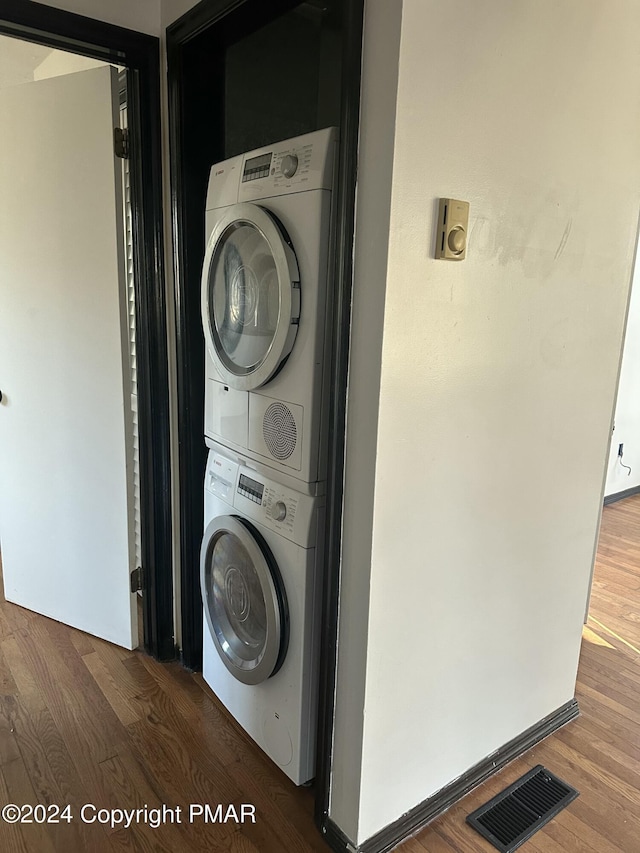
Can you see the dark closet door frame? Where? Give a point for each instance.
(179, 34)
(140, 54)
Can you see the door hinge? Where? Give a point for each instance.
(121, 142)
(137, 579)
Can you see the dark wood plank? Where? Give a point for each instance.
(111, 687)
(11, 837)
(9, 750)
(22, 677)
(20, 791)
(130, 788)
(190, 773)
(8, 685)
(50, 770)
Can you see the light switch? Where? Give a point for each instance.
(453, 225)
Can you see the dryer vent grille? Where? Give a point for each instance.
(279, 431)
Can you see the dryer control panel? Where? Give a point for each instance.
(303, 163)
(289, 166)
(294, 165)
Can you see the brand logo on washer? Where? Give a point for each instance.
(219, 172)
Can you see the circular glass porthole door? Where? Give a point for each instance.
(244, 600)
(250, 296)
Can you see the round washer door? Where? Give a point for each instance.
(250, 296)
(244, 599)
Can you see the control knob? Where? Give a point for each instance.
(279, 511)
(289, 165)
(457, 240)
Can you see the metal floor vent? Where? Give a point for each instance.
(511, 817)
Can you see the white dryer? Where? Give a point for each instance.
(260, 575)
(264, 303)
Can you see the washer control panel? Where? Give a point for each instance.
(250, 488)
(259, 499)
(274, 505)
(281, 507)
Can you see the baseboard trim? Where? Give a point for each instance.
(336, 839)
(425, 812)
(618, 496)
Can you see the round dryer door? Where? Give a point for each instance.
(250, 296)
(244, 599)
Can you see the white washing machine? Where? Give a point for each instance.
(264, 303)
(260, 573)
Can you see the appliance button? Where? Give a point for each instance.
(279, 512)
(289, 165)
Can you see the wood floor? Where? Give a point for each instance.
(83, 722)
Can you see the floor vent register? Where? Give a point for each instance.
(514, 815)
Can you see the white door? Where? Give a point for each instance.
(65, 449)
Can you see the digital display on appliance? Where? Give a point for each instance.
(250, 489)
(257, 167)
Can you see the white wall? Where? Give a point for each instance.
(140, 15)
(627, 417)
(174, 9)
(375, 166)
(18, 59)
(497, 382)
(61, 62)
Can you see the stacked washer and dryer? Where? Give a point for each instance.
(264, 315)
